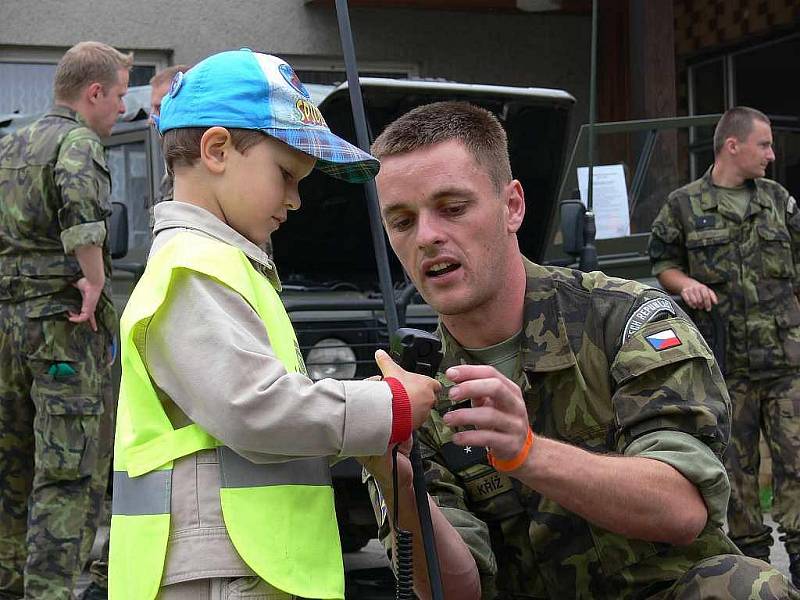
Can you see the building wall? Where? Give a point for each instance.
(480, 47)
(706, 25)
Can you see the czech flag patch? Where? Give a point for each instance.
(663, 340)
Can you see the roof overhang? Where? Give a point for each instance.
(530, 6)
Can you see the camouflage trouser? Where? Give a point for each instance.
(731, 577)
(771, 405)
(98, 570)
(56, 426)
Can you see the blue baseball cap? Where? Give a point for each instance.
(249, 90)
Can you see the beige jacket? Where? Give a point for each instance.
(211, 363)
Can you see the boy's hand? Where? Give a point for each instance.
(381, 466)
(421, 390)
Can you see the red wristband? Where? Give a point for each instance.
(401, 412)
(516, 462)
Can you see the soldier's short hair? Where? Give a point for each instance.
(181, 147)
(166, 75)
(86, 63)
(737, 122)
(478, 129)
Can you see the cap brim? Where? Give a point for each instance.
(335, 156)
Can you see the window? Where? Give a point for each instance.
(27, 88)
(332, 71)
(707, 85)
(765, 77)
(141, 74)
(27, 77)
(128, 166)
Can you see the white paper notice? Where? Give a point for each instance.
(609, 199)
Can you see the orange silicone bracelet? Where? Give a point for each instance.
(514, 463)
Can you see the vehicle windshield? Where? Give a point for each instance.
(650, 160)
(128, 166)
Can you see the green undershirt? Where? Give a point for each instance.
(734, 200)
(503, 356)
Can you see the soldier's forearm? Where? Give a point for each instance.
(636, 497)
(460, 578)
(674, 280)
(90, 258)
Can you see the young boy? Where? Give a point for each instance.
(221, 483)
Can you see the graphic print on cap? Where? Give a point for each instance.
(292, 79)
(290, 103)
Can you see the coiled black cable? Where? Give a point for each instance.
(403, 546)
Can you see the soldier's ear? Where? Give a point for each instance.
(731, 144)
(515, 205)
(93, 91)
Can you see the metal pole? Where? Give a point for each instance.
(592, 101)
(360, 119)
(362, 136)
(588, 259)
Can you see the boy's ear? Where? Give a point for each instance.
(215, 147)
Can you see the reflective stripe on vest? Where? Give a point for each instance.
(238, 472)
(280, 517)
(147, 494)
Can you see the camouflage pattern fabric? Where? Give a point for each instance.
(775, 403)
(56, 415)
(54, 186)
(166, 189)
(99, 569)
(753, 265)
(56, 419)
(590, 377)
(728, 577)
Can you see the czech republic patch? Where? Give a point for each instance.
(663, 340)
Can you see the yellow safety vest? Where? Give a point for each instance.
(280, 517)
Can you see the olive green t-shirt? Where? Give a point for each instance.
(503, 356)
(735, 200)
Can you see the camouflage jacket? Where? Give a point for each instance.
(753, 265)
(54, 191)
(166, 189)
(591, 377)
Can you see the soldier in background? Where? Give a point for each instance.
(57, 341)
(602, 408)
(159, 86)
(731, 240)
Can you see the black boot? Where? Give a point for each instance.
(794, 569)
(94, 592)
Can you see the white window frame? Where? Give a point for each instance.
(728, 81)
(158, 59)
(20, 54)
(336, 64)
